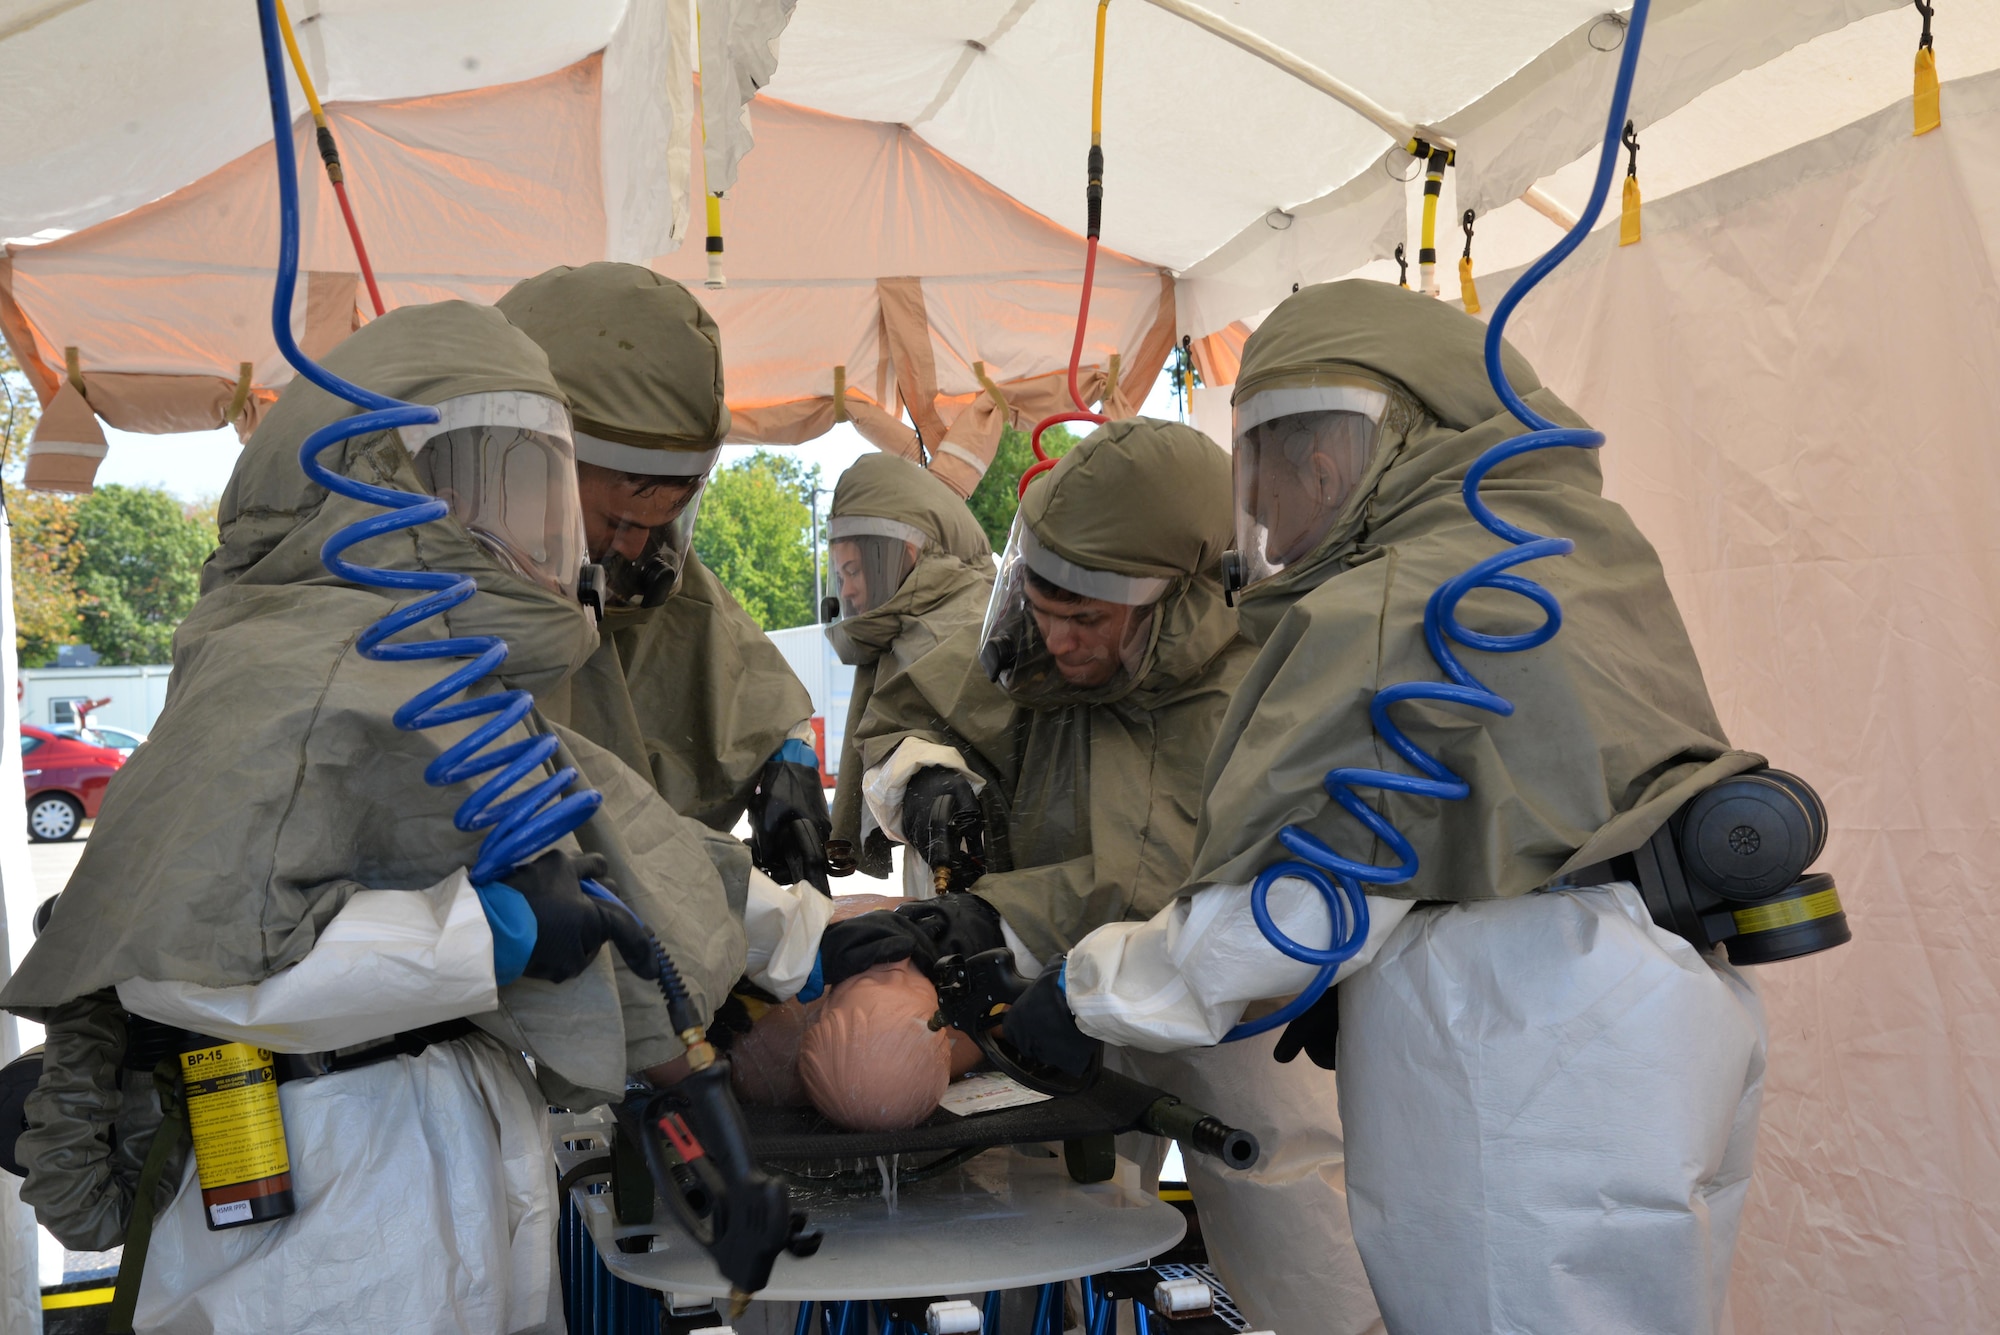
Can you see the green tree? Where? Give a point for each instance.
(140, 572)
(47, 605)
(755, 533)
(997, 496)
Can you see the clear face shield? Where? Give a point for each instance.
(1058, 630)
(505, 465)
(869, 558)
(639, 511)
(1301, 448)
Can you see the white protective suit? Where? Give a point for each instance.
(468, 1248)
(1549, 1103)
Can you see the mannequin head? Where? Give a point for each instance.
(869, 1060)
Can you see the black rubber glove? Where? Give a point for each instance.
(955, 924)
(789, 824)
(1040, 1026)
(943, 823)
(1313, 1032)
(572, 926)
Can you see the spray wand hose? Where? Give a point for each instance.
(1339, 879)
(521, 825)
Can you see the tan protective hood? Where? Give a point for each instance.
(1091, 804)
(1147, 498)
(274, 519)
(275, 785)
(690, 693)
(883, 486)
(1137, 497)
(946, 592)
(639, 357)
(1612, 729)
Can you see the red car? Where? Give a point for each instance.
(66, 781)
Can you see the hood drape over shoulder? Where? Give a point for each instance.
(275, 785)
(1091, 804)
(691, 693)
(945, 592)
(1612, 728)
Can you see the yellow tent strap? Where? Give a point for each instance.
(840, 393)
(241, 398)
(1436, 160)
(1466, 291)
(1628, 219)
(992, 390)
(1925, 98)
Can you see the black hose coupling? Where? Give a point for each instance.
(329, 153)
(1094, 193)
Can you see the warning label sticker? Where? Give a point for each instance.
(232, 1103)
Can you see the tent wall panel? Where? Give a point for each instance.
(1799, 372)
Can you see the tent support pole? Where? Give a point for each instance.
(1399, 128)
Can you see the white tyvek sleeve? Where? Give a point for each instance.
(883, 787)
(784, 924)
(1182, 978)
(390, 960)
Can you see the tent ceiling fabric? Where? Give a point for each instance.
(1201, 140)
(106, 104)
(1516, 133)
(934, 153)
(164, 303)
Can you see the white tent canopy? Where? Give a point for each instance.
(1204, 142)
(1794, 365)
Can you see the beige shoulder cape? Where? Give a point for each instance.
(275, 785)
(1612, 727)
(691, 694)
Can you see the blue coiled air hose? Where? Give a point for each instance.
(1339, 880)
(519, 826)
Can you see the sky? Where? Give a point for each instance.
(195, 465)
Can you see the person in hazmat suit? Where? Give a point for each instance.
(273, 869)
(684, 686)
(911, 568)
(1550, 1102)
(1071, 727)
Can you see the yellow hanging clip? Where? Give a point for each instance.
(1628, 219)
(1466, 290)
(1925, 98)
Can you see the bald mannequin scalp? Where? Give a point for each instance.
(869, 1060)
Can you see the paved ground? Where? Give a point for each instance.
(54, 862)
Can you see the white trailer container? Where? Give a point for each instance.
(136, 695)
(828, 681)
